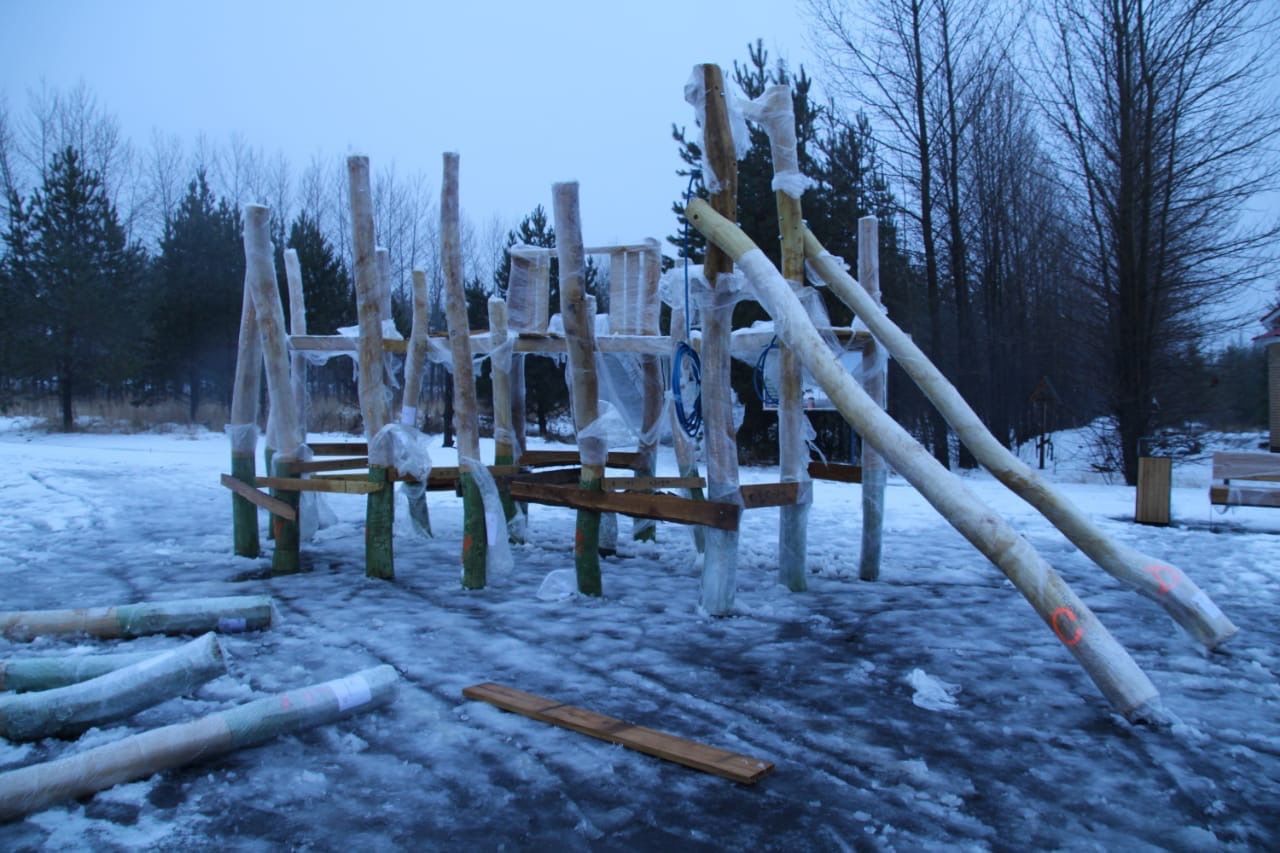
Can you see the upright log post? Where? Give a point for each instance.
(500, 363)
(297, 326)
(579, 332)
(651, 376)
(776, 113)
(720, 563)
(415, 363)
(380, 510)
(1076, 627)
(1158, 580)
(876, 384)
(475, 546)
(686, 456)
(243, 428)
(260, 271)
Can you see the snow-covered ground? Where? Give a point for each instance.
(932, 709)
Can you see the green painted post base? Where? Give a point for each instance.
(269, 454)
(509, 510)
(286, 557)
(586, 547)
(475, 544)
(379, 519)
(244, 515)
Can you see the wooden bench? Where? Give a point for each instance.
(1245, 479)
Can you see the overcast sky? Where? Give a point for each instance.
(527, 93)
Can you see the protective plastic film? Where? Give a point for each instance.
(695, 93)
(774, 111)
(498, 559)
(243, 437)
(403, 448)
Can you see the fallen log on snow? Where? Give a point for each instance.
(188, 616)
(30, 789)
(68, 711)
(22, 675)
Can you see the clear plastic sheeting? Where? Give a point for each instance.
(695, 94)
(774, 112)
(403, 448)
(498, 560)
(243, 437)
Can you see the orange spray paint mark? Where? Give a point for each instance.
(466, 543)
(578, 542)
(1067, 626)
(1167, 577)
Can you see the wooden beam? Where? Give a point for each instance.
(723, 516)
(342, 343)
(313, 466)
(1244, 496)
(320, 484)
(699, 756)
(554, 476)
(555, 458)
(640, 484)
(836, 471)
(1260, 467)
(275, 506)
(757, 495)
(339, 448)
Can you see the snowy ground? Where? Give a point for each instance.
(931, 709)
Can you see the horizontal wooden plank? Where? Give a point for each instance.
(757, 495)
(444, 474)
(1247, 466)
(1234, 495)
(321, 484)
(312, 466)
(634, 484)
(637, 504)
(699, 756)
(553, 458)
(275, 506)
(338, 448)
(836, 471)
(554, 476)
(342, 343)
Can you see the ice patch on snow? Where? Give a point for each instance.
(932, 694)
(559, 585)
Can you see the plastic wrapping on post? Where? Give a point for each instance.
(243, 437)
(695, 94)
(403, 448)
(609, 532)
(498, 559)
(65, 711)
(409, 416)
(774, 111)
(719, 304)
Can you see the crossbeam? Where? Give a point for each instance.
(637, 504)
(275, 506)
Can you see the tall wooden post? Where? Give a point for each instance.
(475, 546)
(579, 332)
(297, 326)
(260, 272)
(686, 456)
(415, 363)
(1273, 384)
(875, 362)
(500, 363)
(646, 323)
(243, 426)
(379, 561)
(720, 563)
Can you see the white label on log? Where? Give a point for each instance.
(231, 624)
(351, 692)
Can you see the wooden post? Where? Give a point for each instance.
(646, 323)
(876, 384)
(297, 326)
(260, 271)
(720, 564)
(579, 332)
(475, 546)
(1075, 625)
(380, 510)
(243, 428)
(415, 363)
(1155, 480)
(383, 256)
(1273, 382)
(1158, 580)
(500, 364)
(686, 458)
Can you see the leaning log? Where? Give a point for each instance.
(68, 711)
(1103, 658)
(1156, 579)
(30, 789)
(189, 616)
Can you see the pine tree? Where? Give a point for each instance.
(83, 281)
(199, 283)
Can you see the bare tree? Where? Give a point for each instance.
(1162, 108)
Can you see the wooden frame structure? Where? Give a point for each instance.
(1246, 479)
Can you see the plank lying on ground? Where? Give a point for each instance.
(68, 711)
(24, 674)
(320, 484)
(757, 495)
(312, 466)
(637, 504)
(699, 756)
(1244, 496)
(639, 484)
(836, 471)
(275, 506)
(339, 448)
(30, 789)
(551, 458)
(187, 616)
